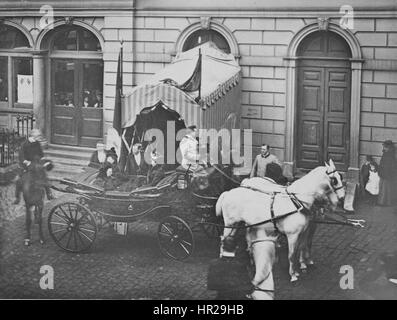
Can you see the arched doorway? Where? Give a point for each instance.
(323, 101)
(76, 86)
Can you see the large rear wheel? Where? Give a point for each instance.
(72, 227)
(175, 238)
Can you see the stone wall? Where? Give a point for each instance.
(378, 40)
(150, 41)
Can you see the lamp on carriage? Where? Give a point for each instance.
(181, 181)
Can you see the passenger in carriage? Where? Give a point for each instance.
(110, 176)
(156, 170)
(136, 164)
(98, 157)
(261, 168)
(191, 159)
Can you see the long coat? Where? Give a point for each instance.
(388, 179)
(133, 168)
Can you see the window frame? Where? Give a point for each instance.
(208, 33)
(11, 105)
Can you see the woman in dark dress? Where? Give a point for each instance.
(388, 176)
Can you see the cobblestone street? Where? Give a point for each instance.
(132, 267)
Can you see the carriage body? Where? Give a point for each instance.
(178, 211)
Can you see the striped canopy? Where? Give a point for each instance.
(150, 95)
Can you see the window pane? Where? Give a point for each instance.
(3, 79)
(23, 77)
(64, 83)
(202, 36)
(88, 42)
(66, 40)
(76, 39)
(92, 85)
(12, 38)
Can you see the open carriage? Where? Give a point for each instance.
(164, 105)
(74, 224)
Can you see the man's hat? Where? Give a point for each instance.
(388, 143)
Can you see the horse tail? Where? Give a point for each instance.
(218, 207)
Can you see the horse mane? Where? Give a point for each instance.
(297, 185)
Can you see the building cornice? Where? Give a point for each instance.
(177, 12)
(61, 13)
(389, 13)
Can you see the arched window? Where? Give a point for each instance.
(324, 44)
(75, 38)
(202, 36)
(16, 69)
(11, 38)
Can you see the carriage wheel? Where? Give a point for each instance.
(175, 238)
(72, 227)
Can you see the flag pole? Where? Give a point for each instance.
(201, 66)
(121, 65)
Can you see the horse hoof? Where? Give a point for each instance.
(294, 278)
(26, 242)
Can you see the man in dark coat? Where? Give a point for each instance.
(30, 151)
(136, 164)
(388, 175)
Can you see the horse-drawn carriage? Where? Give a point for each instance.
(74, 224)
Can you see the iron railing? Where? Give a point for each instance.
(25, 123)
(11, 140)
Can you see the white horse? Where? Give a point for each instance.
(248, 205)
(261, 242)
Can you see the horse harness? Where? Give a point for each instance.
(334, 181)
(298, 204)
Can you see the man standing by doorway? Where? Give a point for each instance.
(261, 162)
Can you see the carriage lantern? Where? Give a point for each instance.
(182, 182)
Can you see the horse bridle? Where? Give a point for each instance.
(333, 179)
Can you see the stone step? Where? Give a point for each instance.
(68, 154)
(68, 159)
(70, 148)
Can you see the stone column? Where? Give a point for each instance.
(289, 160)
(355, 107)
(39, 89)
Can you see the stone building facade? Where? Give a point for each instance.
(311, 76)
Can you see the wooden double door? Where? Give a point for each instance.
(77, 95)
(323, 113)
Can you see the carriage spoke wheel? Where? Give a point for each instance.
(175, 238)
(72, 227)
